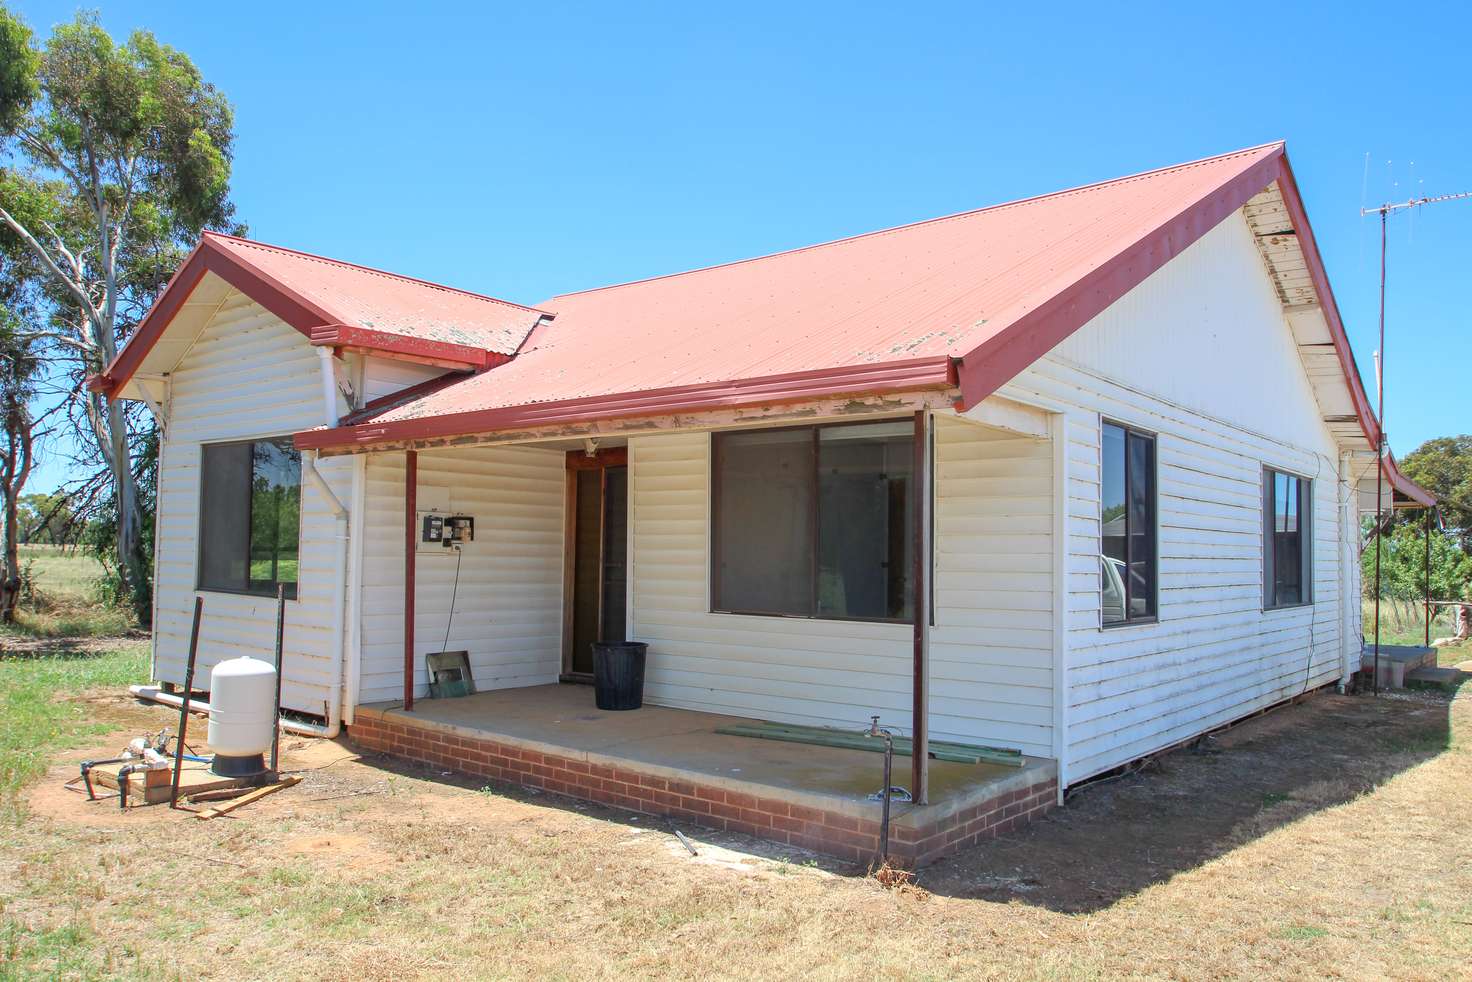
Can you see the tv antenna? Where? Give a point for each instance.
(1385, 211)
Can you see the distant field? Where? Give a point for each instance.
(63, 601)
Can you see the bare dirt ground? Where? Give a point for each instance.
(1326, 839)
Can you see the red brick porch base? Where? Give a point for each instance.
(916, 838)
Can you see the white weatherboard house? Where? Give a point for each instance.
(1076, 476)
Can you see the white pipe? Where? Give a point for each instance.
(340, 561)
(329, 386)
(339, 586)
(154, 694)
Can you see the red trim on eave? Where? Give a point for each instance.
(1399, 482)
(291, 307)
(914, 375)
(296, 309)
(375, 407)
(996, 362)
(1293, 201)
(993, 364)
(348, 336)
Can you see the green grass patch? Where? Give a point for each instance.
(1303, 932)
(36, 720)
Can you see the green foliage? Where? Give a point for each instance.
(1403, 565)
(18, 60)
(1444, 467)
(46, 519)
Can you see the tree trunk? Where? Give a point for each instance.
(16, 469)
(1464, 622)
(132, 558)
(10, 583)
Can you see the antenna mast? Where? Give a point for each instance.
(1385, 211)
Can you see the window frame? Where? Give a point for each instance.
(1305, 539)
(293, 592)
(1154, 437)
(714, 580)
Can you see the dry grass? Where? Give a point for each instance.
(1360, 866)
(63, 598)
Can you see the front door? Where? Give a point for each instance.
(594, 594)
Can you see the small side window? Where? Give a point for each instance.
(1127, 560)
(1287, 539)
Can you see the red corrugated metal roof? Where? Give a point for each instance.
(374, 300)
(339, 304)
(987, 290)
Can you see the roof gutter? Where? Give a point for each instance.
(938, 372)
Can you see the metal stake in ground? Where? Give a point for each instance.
(280, 633)
(184, 702)
(876, 730)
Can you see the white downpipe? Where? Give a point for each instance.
(329, 386)
(339, 585)
(340, 537)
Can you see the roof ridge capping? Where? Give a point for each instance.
(1278, 145)
(315, 257)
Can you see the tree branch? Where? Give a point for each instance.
(73, 287)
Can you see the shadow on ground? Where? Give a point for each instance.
(1185, 808)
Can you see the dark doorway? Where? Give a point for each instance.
(595, 583)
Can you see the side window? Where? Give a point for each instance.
(1127, 560)
(249, 517)
(1287, 539)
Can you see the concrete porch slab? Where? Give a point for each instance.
(560, 726)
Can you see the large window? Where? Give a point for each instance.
(1127, 547)
(1286, 540)
(815, 521)
(250, 517)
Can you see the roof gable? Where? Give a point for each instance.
(336, 304)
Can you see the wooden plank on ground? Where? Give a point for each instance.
(255, 795)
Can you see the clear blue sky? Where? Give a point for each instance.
(527, 150)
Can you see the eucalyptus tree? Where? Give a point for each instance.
(113, 158)
(19, 367)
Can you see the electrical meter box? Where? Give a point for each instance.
(439, 533)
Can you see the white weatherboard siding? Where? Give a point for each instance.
(508, 605)
(248, 376)
(991, 677)
(991, 648)
(1199, 353)
(385, 376)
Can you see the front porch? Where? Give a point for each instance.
(664, 761)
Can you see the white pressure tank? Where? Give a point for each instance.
(242, 715)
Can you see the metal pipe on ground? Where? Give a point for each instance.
(154, 694)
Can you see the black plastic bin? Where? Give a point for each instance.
(618, 674)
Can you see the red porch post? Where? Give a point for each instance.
(411, 508)
(920, 711)
(1426, 573)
